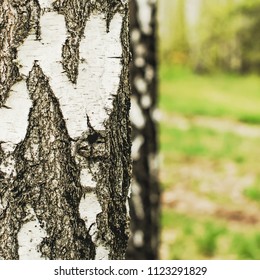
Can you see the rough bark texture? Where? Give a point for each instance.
(51, 179)
(144, 203)
(17, 19)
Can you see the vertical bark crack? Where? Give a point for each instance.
(48, 175)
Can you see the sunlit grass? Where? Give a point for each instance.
(205, 142)
(198, 143)
(247, 247)
(225, 97)
(253, 192)
(220, 95)
(194, 238)
(209, 238)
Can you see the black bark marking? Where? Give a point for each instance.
(11, 213)
(76, 13)
(48, 176)
(107, 156)
(113, 7)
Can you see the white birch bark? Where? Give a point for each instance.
(64, 132)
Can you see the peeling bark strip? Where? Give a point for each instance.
(64, 149)
(145, 197)
(17, 18)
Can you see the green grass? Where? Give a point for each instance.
(247, 248)
(194, 238)
(209, 238)
(197, 141)
(220, 95)
(253, 192)
(226, 97)
(208, 241)
(208, 143)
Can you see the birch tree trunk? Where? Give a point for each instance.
(64, 129)
(144, 204)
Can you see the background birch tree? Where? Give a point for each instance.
(64, 129)
(144, 204)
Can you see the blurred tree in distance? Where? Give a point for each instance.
(175, 19)
(221, 38)
(217, 45)
(144, 202)
(180, 45)
(248, 34)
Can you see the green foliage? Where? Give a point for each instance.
(225, 36)
(228, 37)
(216, 46)
(180, 45)
(249, 36)
(173, 31)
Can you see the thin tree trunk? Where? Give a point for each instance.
(64, 129)
(144, 204)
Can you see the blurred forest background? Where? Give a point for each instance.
(210, 128)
